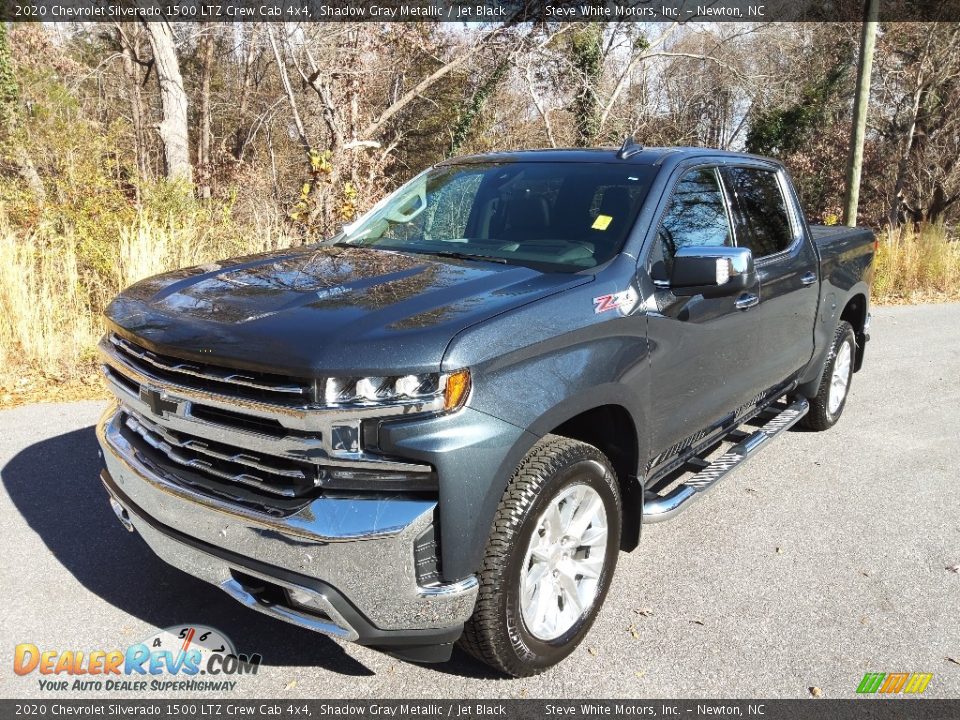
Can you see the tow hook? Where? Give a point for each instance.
(121, 514)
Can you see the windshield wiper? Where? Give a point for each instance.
(435, 253)
(466, 256)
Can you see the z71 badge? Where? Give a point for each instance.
(625, 301)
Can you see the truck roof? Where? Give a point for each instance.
(644, 156)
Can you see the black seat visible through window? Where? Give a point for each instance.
(526, 218)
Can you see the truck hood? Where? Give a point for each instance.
(324, 310)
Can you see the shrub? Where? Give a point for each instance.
(917, 266)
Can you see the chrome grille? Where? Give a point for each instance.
(271, 475)
(247, 436)
(260, 386)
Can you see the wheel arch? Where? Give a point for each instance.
(612, 430)
(853, 303)
(611, 408)
(855, 313)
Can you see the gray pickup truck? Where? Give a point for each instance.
(445, 423)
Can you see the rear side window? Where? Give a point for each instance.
(762, 211)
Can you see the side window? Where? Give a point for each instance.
(695, 217)
(765, 226)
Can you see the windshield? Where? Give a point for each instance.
(551, 215)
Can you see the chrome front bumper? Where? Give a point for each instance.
(359, 549)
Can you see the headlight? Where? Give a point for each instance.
(434, 391)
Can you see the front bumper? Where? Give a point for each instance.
(343, 566)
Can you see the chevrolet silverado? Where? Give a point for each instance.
(443, 424)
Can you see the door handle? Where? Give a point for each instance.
(746, 301)
(809, 278)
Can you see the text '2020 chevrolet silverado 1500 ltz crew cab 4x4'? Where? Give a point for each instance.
(445, 422)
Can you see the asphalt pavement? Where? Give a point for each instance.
(827, 557)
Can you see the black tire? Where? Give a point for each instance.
(496, 633)
(819, 417)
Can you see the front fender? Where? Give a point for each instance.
(534, 369)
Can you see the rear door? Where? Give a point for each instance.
(767, 221)
(701, 348)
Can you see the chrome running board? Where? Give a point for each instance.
(658, 508)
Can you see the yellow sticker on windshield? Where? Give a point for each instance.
(602, 222)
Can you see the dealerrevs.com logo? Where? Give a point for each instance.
(172, 660)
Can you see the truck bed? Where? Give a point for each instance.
(824, 235)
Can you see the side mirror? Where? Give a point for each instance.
(712, 271)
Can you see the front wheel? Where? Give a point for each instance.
(831, 398)
(549, 560)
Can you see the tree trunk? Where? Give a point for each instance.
(129, 42)
(898, 204)
(288, 91)
(471, 111)
(206, 70)
(587, 58)
(861, 103)
(242, 132)
(173, 128)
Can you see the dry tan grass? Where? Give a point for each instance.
(916, 267)
(50, 306)
(46, 320)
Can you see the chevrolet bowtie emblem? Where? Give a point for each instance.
(155, 401)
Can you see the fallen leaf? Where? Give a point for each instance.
(644, 612)
(640, 673)
(592, 651)
(953, 660)
(697, 622)
(953, 568)
(864, 620)
(815, 691)
(522, 693)
(290, 685)
(633, 631)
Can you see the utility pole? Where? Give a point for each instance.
(861, 101)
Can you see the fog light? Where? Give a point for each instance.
(307, 600)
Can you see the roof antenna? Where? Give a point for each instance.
(629, 148)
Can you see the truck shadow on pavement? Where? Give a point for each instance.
(55, 486)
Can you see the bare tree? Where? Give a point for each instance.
(129, 36)
(204, 160)
(173, 127)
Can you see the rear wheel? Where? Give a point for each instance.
(549, 560)
(831, 398)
